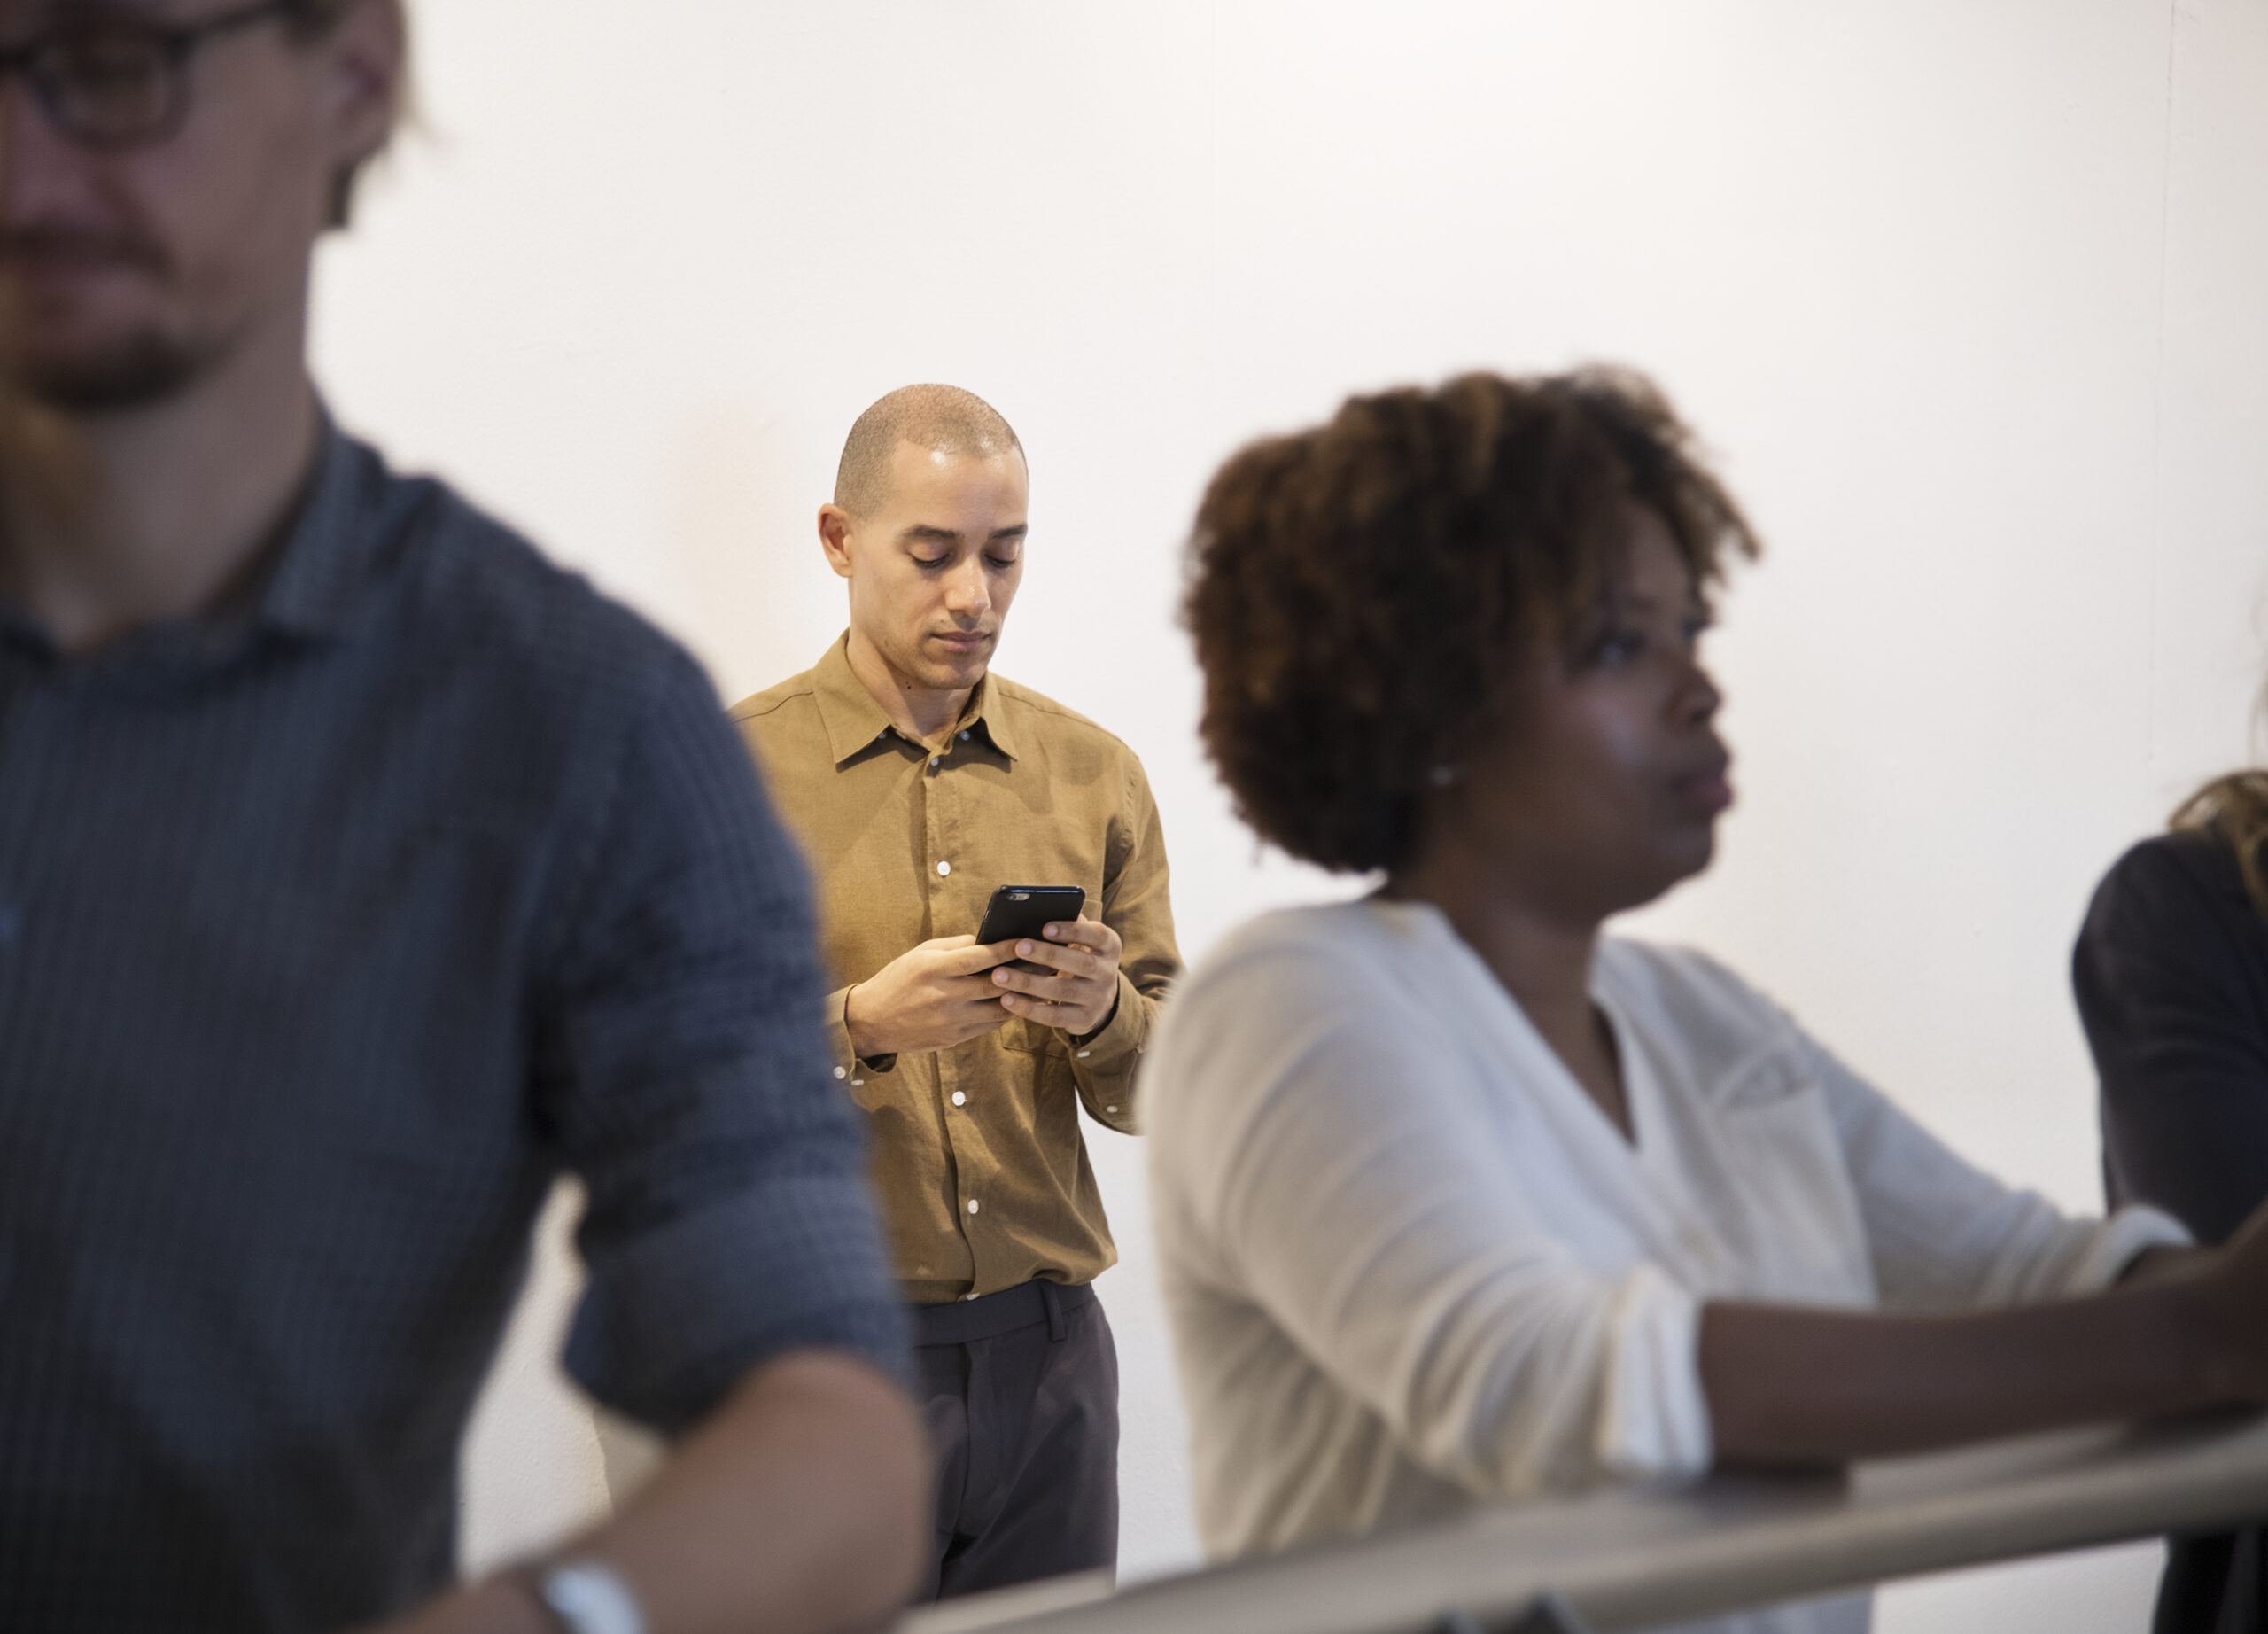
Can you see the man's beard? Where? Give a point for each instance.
(141, 373)
(138, 371)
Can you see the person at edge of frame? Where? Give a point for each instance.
(2171, 974)
(360, 874)
(919, 780)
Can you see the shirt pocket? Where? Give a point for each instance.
(1788, 1198)
(1028, 1037)
(1035, 1062)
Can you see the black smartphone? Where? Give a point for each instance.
(1018, 913)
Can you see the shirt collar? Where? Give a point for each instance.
(988, 711)
(310, 589)
(324, 564)
(854, 720)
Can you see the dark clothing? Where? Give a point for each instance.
(2171, 975)
(1020, 1392)
(329, 934)
(2213, 1584)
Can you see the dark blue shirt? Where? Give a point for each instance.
(329, 935)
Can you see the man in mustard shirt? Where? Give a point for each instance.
(918, 781)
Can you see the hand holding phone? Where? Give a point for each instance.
(1022, 913)
(949, 991)
(928, 997)
(1068, 981)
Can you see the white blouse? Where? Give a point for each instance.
(1412, 1266)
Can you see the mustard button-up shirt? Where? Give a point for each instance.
(976, 1150)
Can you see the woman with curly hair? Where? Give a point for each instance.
(2171, 975)
(1457, 1200)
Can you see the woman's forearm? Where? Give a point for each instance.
(1792, 1384)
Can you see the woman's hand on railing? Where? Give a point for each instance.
(1797, 1385)
(2232, 1311)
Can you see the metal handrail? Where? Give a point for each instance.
(1627, 1560)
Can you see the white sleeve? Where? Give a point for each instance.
(1946, 1236)
(1333, 1151)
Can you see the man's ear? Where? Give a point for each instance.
(835, 526)
(366, 59)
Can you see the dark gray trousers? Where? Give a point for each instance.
(2213, 1586)
(1020, 1392)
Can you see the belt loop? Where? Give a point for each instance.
(1053, 1301)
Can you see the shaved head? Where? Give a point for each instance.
(941, 419)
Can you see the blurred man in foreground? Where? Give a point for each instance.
(359, 872)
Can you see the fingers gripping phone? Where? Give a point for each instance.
(1019, 913)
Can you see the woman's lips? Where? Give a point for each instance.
(1710, 789)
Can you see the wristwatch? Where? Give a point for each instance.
(584, 1597)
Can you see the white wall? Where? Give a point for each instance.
(1966, 292)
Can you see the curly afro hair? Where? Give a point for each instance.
(1364, 593)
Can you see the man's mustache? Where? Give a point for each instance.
(97, 246)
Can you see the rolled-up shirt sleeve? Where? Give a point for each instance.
(1335, 1166)
(1136, 905)
(1653, 1417)
(682, 1069)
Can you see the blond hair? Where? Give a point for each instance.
(2232, 809)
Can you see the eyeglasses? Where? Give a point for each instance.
(113, 83)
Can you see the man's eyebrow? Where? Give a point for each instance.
(926, 533)
(1001, 535)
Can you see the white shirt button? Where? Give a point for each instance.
(944, 869)
(843, 1072)
(1111, 1109)
(972, 1205)
(960, 1100)
(964, 737)
(1085, 1053)
(858, 1083)
(937, 759)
